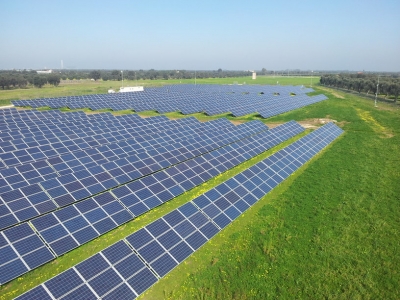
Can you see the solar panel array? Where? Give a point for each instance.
(130, 266)
(97, 173)
(212, 99)
(75, 225)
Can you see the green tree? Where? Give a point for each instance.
(54, 79)
(39, 81)
(95, 74)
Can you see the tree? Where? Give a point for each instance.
(95, 74)
(54, 79)
(4, 81)
(39, 81)
(263, 71)
(395, 90)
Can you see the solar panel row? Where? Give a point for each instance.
(15, 177)
(132, 265)
(75, 225)
(187, 99)
(25, 203)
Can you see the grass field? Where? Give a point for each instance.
(330, 231)
(85, 87)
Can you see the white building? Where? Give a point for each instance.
(45, 72)
(131, 89)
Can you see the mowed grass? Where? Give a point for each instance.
(85, 87)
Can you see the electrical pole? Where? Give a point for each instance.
(122, 74)
(311, 77)
(377, 90)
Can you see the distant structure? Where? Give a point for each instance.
(254, 75)
(45, 72)
(131, 89)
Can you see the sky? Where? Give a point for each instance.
(351, 35)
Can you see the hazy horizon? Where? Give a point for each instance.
(201, 35)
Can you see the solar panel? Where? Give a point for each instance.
(21, 250)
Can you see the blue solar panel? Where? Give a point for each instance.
(164, 264)
(142, 281)
(63, 283)
(122, 292)
(105, 281)
(156, 255)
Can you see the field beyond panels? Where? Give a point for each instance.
(330, 231)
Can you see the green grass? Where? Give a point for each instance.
(85, 87)
(331, 230)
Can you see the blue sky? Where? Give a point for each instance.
(202, 35)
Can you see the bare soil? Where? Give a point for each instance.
(307, 123)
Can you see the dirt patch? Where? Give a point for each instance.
(236, 122)
(93, 112)
(342, 123)
(308, 123)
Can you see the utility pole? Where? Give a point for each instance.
(122, 74)
(311, 77)
(377, 90)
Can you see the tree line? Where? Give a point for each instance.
(163, 74)
(21, 79)
(389, 86)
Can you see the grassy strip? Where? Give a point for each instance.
(41, 274)
(333, 234)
